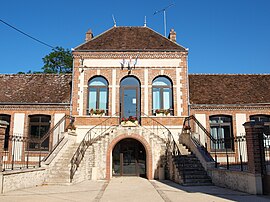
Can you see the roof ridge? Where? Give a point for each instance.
(167, 38)
(94, 37)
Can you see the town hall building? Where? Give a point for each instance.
(127, 106)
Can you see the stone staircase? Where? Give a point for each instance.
(93, 165)
(59, 172)
(190, 169)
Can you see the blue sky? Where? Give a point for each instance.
(223, 36)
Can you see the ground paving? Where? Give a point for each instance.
(125, 189)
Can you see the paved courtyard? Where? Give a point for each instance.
(125, 189)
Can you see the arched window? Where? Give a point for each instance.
(260, 118)
(221, 130)
(162, 95)
(39, 125)
(98, 95)
(5, 117)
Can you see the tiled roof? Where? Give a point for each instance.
(229, 89)
(35, 88)
(130, 39)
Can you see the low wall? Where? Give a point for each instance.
(19, 179)
(237, 180)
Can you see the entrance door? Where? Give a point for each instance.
(130, 98)
(129, 158)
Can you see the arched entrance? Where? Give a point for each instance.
(130, 98)
(129, 158)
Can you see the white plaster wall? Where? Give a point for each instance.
(140, 62)
(240, 131)
(61, 128)
(178, 92)
(80, 93)
(200, 135)
(18, 130)
(146, 91)
(240, 120)
(113, 91)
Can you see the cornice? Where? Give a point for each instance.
(121, 55)
(35, 107)
(228, 107)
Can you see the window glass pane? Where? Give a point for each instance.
(39, 126)
(221, 130)
(130, 81)
(92, 98)
(7, 119)
(166, 98)
(161, 81)
(98, 81)
(103, 98)
(260, 118)
(156, 99)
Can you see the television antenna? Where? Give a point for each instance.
(164, 15)
(114, 22)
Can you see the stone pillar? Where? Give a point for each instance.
(255, 152)
(3, 126)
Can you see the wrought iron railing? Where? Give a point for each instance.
(172, 148)
(200, 136)
(94, 134)
(228, 152)
(28, 152)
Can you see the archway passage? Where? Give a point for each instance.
(129, 158)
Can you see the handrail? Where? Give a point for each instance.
(52, 130)
(86, 142)
(72, 119)
(172, 148)
(200, 126)
(197, 141)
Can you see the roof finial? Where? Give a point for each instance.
(144, 21)
(114, 22)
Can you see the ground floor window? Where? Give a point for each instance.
(39, 125)
(5, 117)
(260, 118)
(221, 130)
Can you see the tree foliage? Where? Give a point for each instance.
(58, 61)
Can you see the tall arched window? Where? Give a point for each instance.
(162, 95)
(39, 125)
(5, 117)
(98, 95)
(221, 130)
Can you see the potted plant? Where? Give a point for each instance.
(130, 121)
(187, 128)
(162, 112)
(97, 112)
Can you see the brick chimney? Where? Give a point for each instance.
(172, 35)
(89, 35)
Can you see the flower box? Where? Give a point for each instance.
(129, 123)
(162, 112)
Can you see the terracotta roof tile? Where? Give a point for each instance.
(130, 39)
(229, 89)
(35, 88)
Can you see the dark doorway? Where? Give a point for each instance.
(129, 158)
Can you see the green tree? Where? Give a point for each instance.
(58, 61)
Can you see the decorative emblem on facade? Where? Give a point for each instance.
(129, 63)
